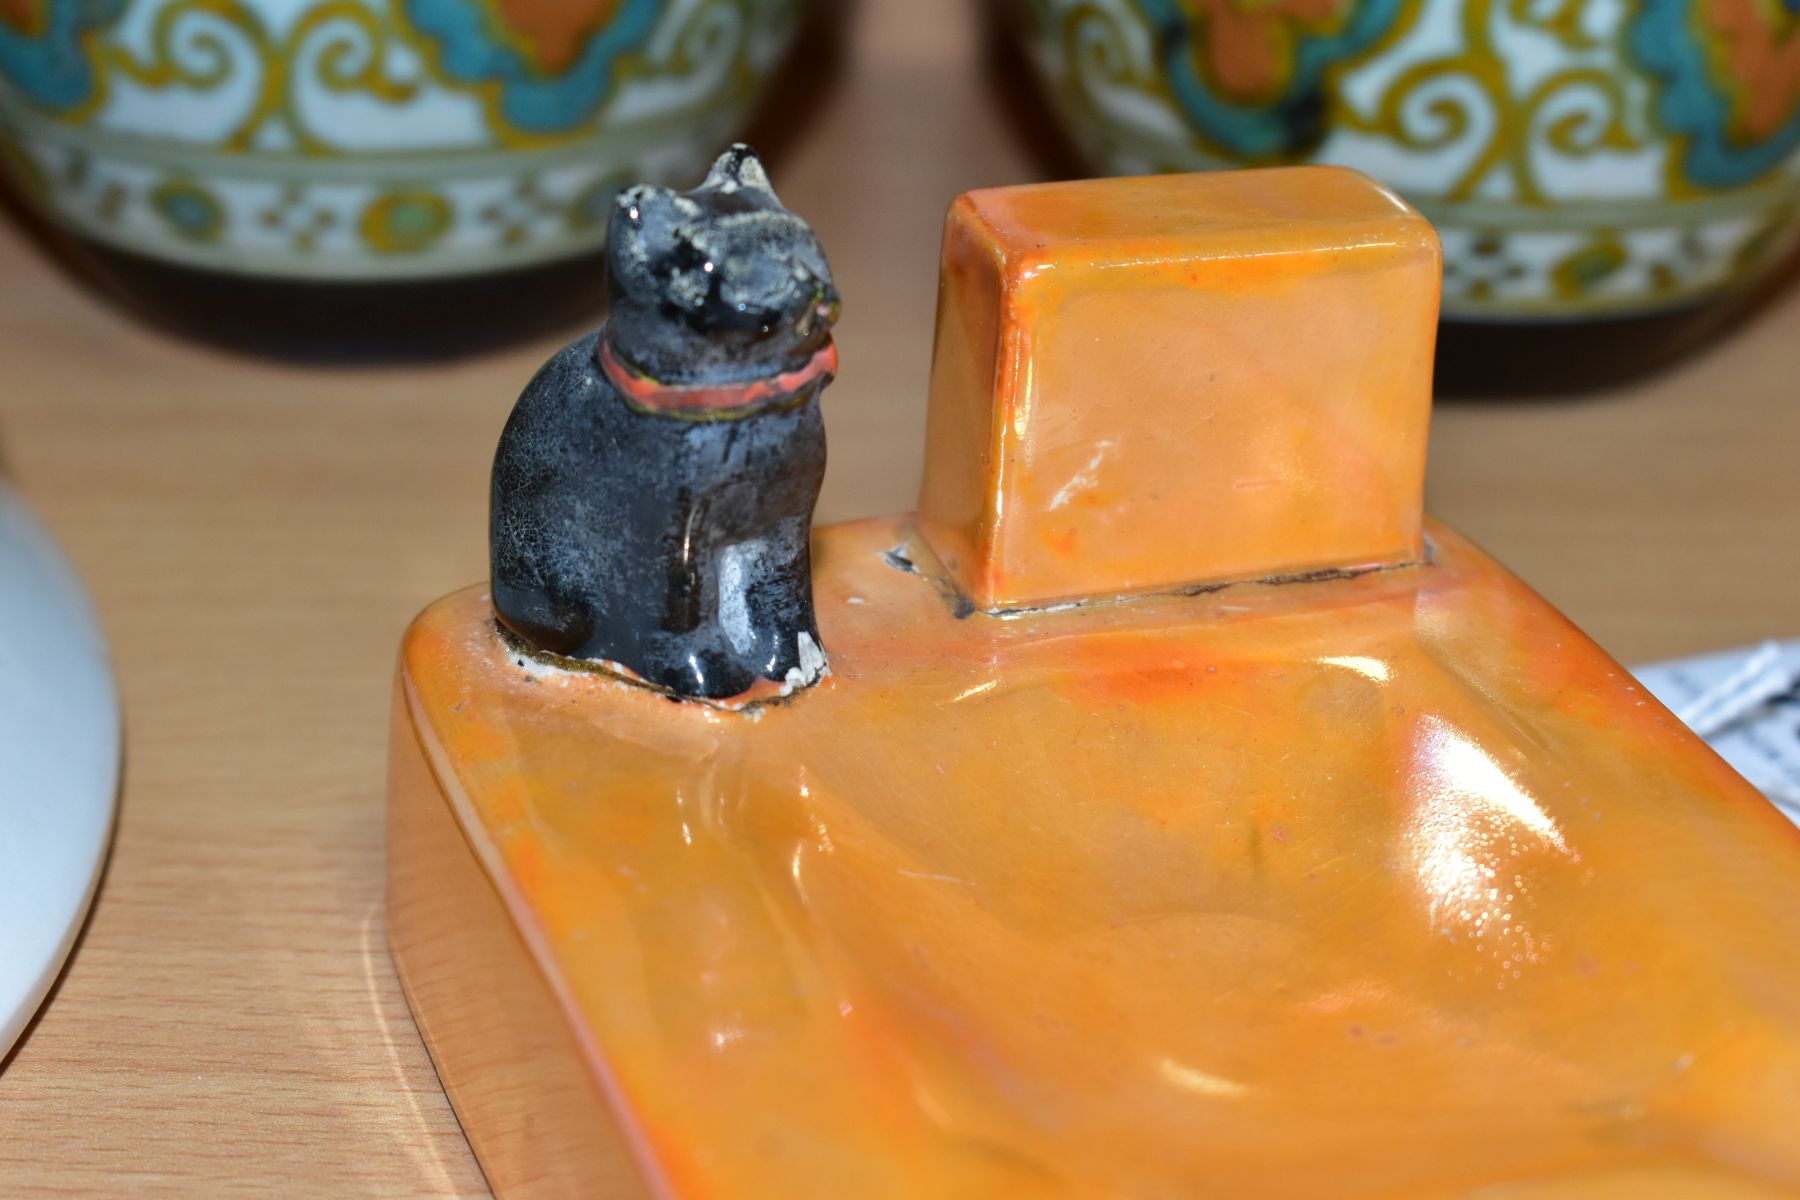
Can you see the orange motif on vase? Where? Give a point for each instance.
(552, 33)
(1250, 46)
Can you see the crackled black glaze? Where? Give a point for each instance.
(675, 542)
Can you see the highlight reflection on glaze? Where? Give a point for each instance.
(1474, 832)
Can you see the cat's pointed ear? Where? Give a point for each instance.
(645, 218)
(646, 206)
(739, 168)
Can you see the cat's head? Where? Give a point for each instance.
(720, 284)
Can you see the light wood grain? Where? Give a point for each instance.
(257, 535)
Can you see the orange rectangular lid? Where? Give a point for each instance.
(1169, 381)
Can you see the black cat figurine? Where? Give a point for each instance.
(654, 487)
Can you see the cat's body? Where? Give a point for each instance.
(654, 487)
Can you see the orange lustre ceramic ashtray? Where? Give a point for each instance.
(1166, 809)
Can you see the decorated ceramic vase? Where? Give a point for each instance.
(398, 158)
(1594, 168)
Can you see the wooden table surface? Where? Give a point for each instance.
(257, 535)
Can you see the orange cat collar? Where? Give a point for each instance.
(653, 395)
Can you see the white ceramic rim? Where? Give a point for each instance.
(59, 762)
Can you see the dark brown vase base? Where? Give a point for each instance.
(1560, 358)
(337, 322)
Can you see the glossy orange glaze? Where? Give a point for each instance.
(1145, 382)
(1392, 886)
(1389, 885)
